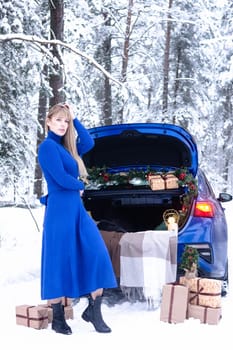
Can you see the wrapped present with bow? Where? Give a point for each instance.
(68, 309)
(204, 291)
(68, 312)
(205, 314)
(171, 181)
(156, 182)
(174, 303)
(32, 316)
(65, 301)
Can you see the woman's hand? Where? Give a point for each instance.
(65, 105)
(71, 112)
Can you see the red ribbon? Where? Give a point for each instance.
(199, 292)
(28, 318)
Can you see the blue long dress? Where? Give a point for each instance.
(74, 259)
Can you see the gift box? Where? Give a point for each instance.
(68, 312)
(65, 301)
(156, 182)
(174, 303)
(171, 181)
(204, 291)
(205, 314)
(32, 316)
(186, 281)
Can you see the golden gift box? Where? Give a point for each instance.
(156, 182)
(171, 181)
(203, 291)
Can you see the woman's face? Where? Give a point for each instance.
(58, 124)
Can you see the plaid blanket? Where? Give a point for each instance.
(148, 260)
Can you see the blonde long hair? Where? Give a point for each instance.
(69, 139)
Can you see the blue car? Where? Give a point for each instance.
(123, 167)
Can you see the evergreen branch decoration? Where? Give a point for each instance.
(189, 259)
(103, 178)
(187, 181)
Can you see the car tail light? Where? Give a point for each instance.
(204, 209)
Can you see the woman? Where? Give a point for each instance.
(75, 261)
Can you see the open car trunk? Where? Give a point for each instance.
(132, 209)
(119, 164)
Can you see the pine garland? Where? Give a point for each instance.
(101, 176)
(187, 181)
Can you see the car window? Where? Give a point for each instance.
(204, 185)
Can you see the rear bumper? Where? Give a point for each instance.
(211, 241)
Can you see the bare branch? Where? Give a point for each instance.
(44, 42)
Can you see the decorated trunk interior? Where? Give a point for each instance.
(134, 176)
(137, 203)
(132, 214)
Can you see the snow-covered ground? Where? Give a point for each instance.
(133, 325)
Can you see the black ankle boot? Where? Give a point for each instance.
(93, 314)
(59, 324)
(66, 325)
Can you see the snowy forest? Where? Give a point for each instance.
(118, 61)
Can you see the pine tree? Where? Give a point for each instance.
(189, 259)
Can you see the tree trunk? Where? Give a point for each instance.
(57, 32)
(38, 188)
(177, 76)
(227, 136)
(166, 61)
(125, 59)
(107, 105)
(55, 75)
